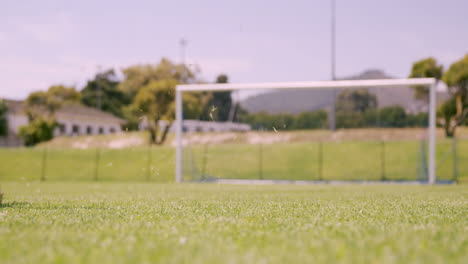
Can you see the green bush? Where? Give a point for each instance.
(392, 116)
(350, 120)
(37, 131)
(305, 120)
(3, 119)
(417, 120)
(311, 120)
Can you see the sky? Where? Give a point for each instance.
(49, 42)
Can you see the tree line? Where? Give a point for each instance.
(391, 116)
(358, 108)
(147, 92)
(453, 112)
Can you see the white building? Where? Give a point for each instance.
(211, 126)
(202, 126)
(73, 119)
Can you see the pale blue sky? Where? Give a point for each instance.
(49, 41)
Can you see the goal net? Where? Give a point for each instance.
(326, 131)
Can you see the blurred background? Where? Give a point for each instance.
(88, 87)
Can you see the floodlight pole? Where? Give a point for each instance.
(178, 128)
(332, 118)
(333, 77)
(183, 44)
(179, 115)
(432, 133)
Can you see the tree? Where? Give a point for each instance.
(3, 118)
(392, 116)
(102, 93)
(311, 120)
(138, 76)
(38, 130)
(61, 94)
(40, 107)
(352, 106)
(222, 101)
(193, 103)
(455, 110)
(155, 102)
(218, 106)
(222, 78)
(425, 68)
(358, 100)
(46, 103)
(285, 121)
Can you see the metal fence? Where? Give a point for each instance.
(325, 160)
(320, 160)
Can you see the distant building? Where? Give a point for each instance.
(203, 126)
(73, 120)
(211, 126)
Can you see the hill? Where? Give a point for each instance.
(300, 100)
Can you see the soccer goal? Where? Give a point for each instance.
(373, 130)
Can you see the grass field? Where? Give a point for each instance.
(130, 164)
(154, 223)
(346, 160)
(342, 160)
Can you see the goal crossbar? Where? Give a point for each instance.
(306, 85)
(341, 84)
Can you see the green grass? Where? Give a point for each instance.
(345, 160)
(131, 164)
(342, 160)
(151, 223)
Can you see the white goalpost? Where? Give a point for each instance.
(430, 83)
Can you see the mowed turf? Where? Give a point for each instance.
(129, 164)
(151, 223)
(342, 160)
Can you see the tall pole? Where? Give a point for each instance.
(179, 116)
(432, 131)
(333, 76)
(332, 117)
(178, 127)
(183, 44)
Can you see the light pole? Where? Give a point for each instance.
(332, 118)
(333, 40)
(183, 44)
(179, 116)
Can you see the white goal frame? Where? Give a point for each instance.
(343, 84)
